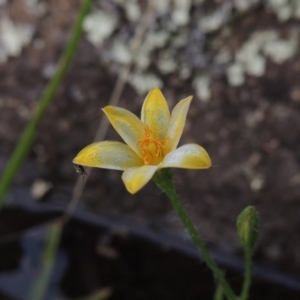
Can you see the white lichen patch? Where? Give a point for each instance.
(249, 56)
(252, 57)
(169, 45)
(281, 8)
(162, 7)
(99, 25)
(156, 39)
(13, 37)
(120, 52)
(185, 72)
(176, 43)
(35, 7)
(235, 74)
(181, 12)
(144, 82)
(166, 63)
(142, 59)
(202, 87)
(280, 50)
(244, 5)
(284, 9)
(132, 10)
(256, 65)
(212, 22)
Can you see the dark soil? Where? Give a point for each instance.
(251, 132)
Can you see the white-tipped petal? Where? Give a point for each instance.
(190, 156)
(128, 126)
(136, 178)
(177, 122)
(108, 155)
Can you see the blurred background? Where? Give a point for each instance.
(239, 59)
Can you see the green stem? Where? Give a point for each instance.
(41, 284)
(218, 292)
(248, 272)
(164, 180)
(24, 145)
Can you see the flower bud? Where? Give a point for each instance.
(248, 226)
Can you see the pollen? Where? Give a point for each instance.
(152, 147)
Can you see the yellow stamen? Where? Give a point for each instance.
(152, 147)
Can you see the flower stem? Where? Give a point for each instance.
(164, 180)
(248, 272)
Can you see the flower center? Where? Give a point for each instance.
(152, 147)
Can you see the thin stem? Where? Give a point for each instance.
(24, 145)
(41, 284)
(164, 180)
(218, 292)
(248, 272)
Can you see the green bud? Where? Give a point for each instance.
(248, 226)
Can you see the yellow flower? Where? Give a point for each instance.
(151, 142)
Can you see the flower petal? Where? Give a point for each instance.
(128, 126)
(190, 156)
(108, 155)
(135, 178)
(155, 113)
(177, 123)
